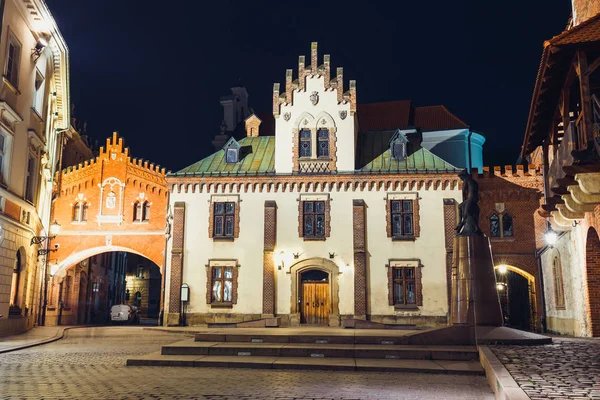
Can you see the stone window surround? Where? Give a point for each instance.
(314, 197)
(307, 121)
(217, 262)
(14, 82)
(414, 196)
(557, 279)
(405, 262)
(231, 198)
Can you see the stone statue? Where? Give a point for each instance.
(468, 210)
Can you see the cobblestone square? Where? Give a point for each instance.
(89, 363)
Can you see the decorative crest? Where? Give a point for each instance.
(287, 116)
(314, 98)
(343, 114)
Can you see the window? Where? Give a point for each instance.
(80, 212)
(14, 288)
(146, 216)
(313, 219)
(222, 285)
(138, 299)
(38, 95)
(305, 143)
(398, 150)
(2, 156)
(224, 219)
(232, 155)
(323, 143)
(30, 183)
(402, 218)
(559, 290)
(140, 272)
(404, 286)
(501, 226)
(12, 62)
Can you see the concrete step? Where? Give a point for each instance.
(189, 347)
(337, 364)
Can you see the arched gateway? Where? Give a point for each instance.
(112, 203)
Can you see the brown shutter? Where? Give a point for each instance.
(388, 218)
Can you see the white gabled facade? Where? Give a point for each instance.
(280, 229)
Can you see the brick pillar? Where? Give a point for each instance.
(270, 241)
(176, 262)
(359, 216)
(449, 234)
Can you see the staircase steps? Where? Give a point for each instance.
(345, 352)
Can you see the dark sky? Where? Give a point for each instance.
(154, 70)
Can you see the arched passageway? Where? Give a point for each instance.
(84, 292)
(516, 290)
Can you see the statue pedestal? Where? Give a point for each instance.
(474, 298)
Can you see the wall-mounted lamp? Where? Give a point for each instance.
(550, 237)
(332, 255)
(296, 255)
(502, 268)
(500, 286)
(36, 52)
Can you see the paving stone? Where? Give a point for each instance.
(90, 364)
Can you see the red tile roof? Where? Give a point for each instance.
(382, 116)
(587, 31)
(400, 114)
(436, 118)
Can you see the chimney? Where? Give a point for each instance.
(252, 125)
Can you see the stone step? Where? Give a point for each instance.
(338, 364)
(188, 347)
(316, 339)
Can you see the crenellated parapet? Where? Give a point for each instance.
(314, 70)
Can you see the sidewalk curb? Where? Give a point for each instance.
(500, 380)
(58, 336)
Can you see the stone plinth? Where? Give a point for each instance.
(474, 296)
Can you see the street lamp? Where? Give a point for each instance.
(550, 237)
(53, 231)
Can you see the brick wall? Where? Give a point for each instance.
(177, 257)
(270, 241)
(360, 258)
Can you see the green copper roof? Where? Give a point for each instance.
(375, 156)
(257, 155)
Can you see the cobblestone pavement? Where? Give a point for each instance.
(89, 363)
(565, 369)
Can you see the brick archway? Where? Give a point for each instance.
(592, 260)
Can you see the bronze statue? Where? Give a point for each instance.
(468, 210)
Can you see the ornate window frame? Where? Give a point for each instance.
(314, 163)
(395, 263)
(314, 197)
(222, 263)
(414, 197)
(502, 217)
(232, 198)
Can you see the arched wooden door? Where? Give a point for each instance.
(316, 300)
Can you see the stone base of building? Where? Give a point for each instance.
(16, 325)
(565, 326)
(422, 321)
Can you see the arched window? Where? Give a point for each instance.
(76, 212)
(138, 211)
(146, 216)
(559, 290)
(507, 225)
(84, 212)
(14, 288)
(494, 226)
(305, 144)
(323, 143)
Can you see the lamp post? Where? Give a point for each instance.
(54, 229)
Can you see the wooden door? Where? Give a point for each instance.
(315, 302)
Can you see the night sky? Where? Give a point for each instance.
(154, 70)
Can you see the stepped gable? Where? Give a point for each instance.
(314, 69)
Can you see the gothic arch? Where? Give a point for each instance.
(322, 264)
(299, 124)
(324, 120)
